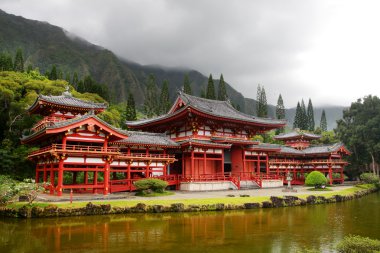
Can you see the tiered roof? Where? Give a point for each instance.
(297, 135)
(66, 102)
(214, 109)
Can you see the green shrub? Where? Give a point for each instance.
(369, 178)
(316, 179)
(358, 244)
(151, 184)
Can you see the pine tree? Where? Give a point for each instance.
(67, 77)
(75, 80)
(222, 92)
(60, 75)
(261, 103)
(304, 120)
(53, 73)
(323, 124)
(210, 94)
(29, 68)
(297, 117)
(280, 108)
(19, 61)
(164, 98)
(310, 116)
(151, 107)
(130, 113)
(186, 85)
(6, 62)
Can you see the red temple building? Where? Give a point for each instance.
(200, 144)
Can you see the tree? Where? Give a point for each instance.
(186, 85)
(323, 123)
(359, 130)
(130, 113)
(298, 116)
(310, 116)
(280, 108)
(210, 94)
(151, 107)
(19, 61)
(261, 102)
(6, 62)
(164, 98)
(53, 73)
(222, 92)
(75, 80)
(304, 119)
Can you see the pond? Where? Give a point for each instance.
(264, 230)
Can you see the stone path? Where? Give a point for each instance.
(185, 195)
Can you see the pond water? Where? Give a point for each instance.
(264, 230)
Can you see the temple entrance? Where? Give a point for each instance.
(227, 161)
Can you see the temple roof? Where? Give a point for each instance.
(146, 138)
(220, 109)
(66, 100)
(66, 123)
(297, 135)
(313, 150)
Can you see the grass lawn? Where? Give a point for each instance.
(201, 201)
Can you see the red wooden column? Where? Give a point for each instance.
(244, 165)
(37, 178)
(95, 180)
(106, 175)
(192, 163)
(204, 161)
(45, 173)
(258, 164)
(60, 168)
(183, 164)
(330, 175)
(147, 164)
(51, 178)
(267, 164)
(341, 175)
(165, 165)
(60, 176)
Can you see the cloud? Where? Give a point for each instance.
(279, 44)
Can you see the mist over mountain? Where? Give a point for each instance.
(45, 45)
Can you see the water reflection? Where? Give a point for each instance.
(270, 230)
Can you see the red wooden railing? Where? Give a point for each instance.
(46, 121)
(97, 149)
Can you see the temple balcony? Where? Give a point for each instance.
(46, 121)
(74, 149)
(98, 151)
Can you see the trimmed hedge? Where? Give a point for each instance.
(152, 184)
(316, 179)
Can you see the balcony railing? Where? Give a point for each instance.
(46, 121)
(81, 149)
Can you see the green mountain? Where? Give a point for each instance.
(45, 45)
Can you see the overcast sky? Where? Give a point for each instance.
(326, 50)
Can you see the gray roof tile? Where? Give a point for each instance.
(212, 107)
(158, 139)
(296, 134)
